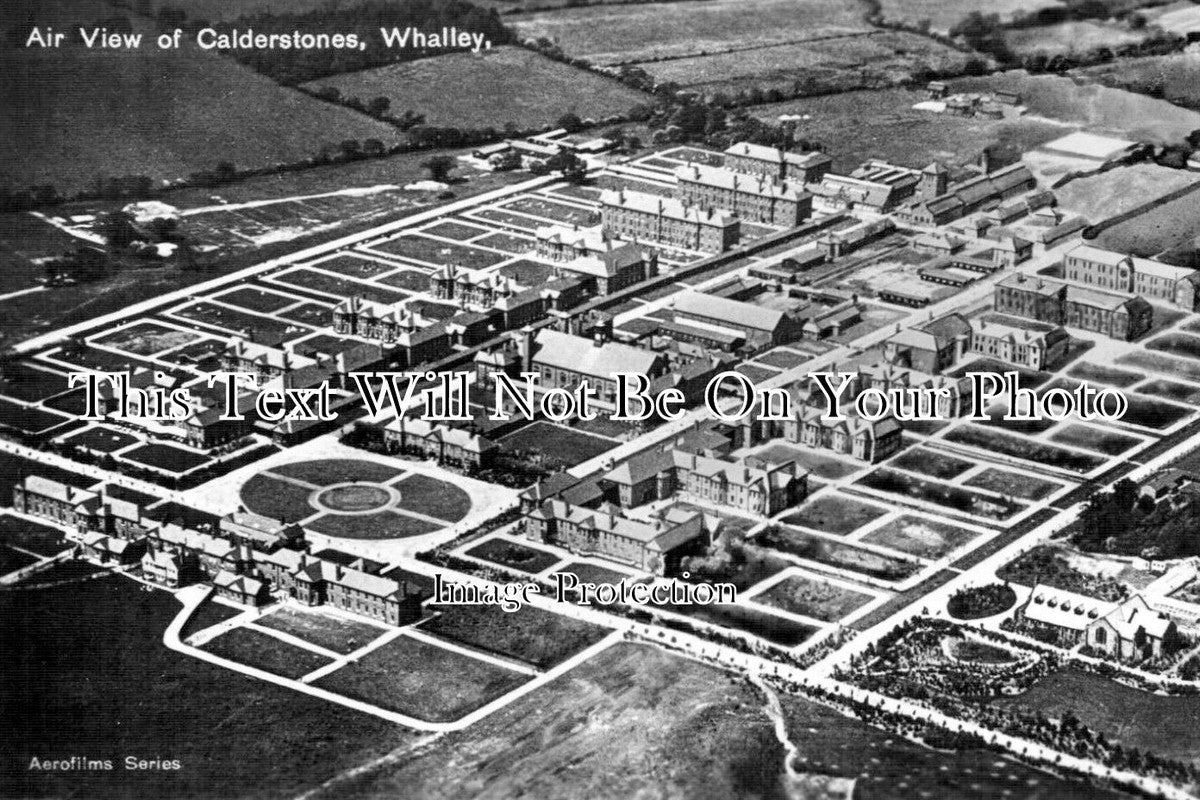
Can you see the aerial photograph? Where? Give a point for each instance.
(600, 399)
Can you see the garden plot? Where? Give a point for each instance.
(101, 439)
(436, 252)
(1020, 447)
(1097, 440)
(556, 445)
(422, 680)
(166, 458)
(453, 229)
(336, 286)
(821, 465)
(513, 555)
(920, 536)
(954, 498)
(1013, 484)
(253, 298)
(840, 555)
(353, 266)
(145, 338)
(835, 513)
(814, 597)
(23, 381)
(1170, 390)
(264, 330)
(931, 463)
(553, 211)
(1099, 373)
(774, 628)
(331, 632)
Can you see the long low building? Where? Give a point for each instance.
(563, 361)
(649, 217)
(775, 164)
(761, 326)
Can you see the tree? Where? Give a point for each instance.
(378, 106)
(351, 149)
(117, 229)
(373, 147)
(439, 167)
(572, 167)
(571, 123)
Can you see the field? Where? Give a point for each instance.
(1019, 447)
(842, 62)
(811, 597)
(1154, 723)
(437, 252)
(253, 298)
(265, 652)
(93, 672)
(166, 457)
(836, 554)
(488, 90)
(146, 338)
(327, 472)
(945, 14)
(1077, 35)
(127, 118)
(102, 440)
(1013, 484)
(556, 444)
(932, 463)
(1116, 191)
(835, 514)
(1174, 77)
(1087, 371)
(622, 34)
(540, 638)
(1187, 370)
(514, 556)
(31, 385)
(422, 680)
(921, 537)
(856, 126)
(263, 330)
(271, 497)
(1100, 441)
(337, 286)
(339, 634)
(953, 497)
(384, 525)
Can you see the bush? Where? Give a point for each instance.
(982, 601)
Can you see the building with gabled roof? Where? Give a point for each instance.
(442, 442)
(241, 589)
(1067, 613)
(1032, 345)
(930, 347)
(776, 164)
(1058, 303)
(261, 532)
(750, 197)
(968, 196)
(761, 327)
(1132, 631)
(563, 361)
(1111, 271)
(651, 218)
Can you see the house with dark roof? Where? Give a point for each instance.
(930, 347)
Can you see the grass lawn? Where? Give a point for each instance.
(209, 613)
(836, 554)
(31, 536)
(438, 252)
(353, 266)
(339, 634)
(265, 652)
(1161, 725)
(327, 472)
(812, 597)
(410, 280)
(537, 637)
(514, 556)
(28, 419)
(433, 497)
(337, 286)
(102, 440)
(452, 229)
(422, 680)
(562, 446)
(1170, 390)
(166, 457)
(12, 560)
(383, 525)
(548, 209)
(770, 627)
(1101, 373)
(1013, 484)
(23, 382)
(86, 667)
(929, 462)
(253, 298)
(594, 573)
(953, 497)
(1101, 441)
(1020, 447)
(271, 497)
(263, 330)
(835, 514)
(921, 537)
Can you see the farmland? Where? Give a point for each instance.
(128, 117)
(812, 597)
(920, 536)
(1159, 228)
(1080, 35)
(835, 514)
(842, 62)
(945, 14)
(623, 34)
(491, 89)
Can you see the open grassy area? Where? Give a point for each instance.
(537, 637)
(514, 556)
(1020, 447)
(920, 536)
(836, 554)
(147, 338)
(383, 525)
(428, 250)
(617, 34)
(339, 634)
(945, 14)
(86, 670)
(769, 627)
(267, 495)
(1154, 723)
(931, 462)
(1101, 373)
(102, 440)
(433, 497)
(328, 471)
(31, 536)
(952, 497)
(265, 652)
(835, 513)
(253, 298)
(422, 680)
(338, 287)
(163, 114)
(555, 444)
(1013, 484)
(813, 597)
(1107, 442)
(489, 89)
(166, 457)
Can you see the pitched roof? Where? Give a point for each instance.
(1064, 609)
(736, 313)
(586, 357)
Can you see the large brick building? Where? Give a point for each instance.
(759, 326)
(750, 197)
(563, 361)
(775, 164)
(1058, 303)
(671, 222)
(930, 347)
(969, 196)
(1104, 269)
